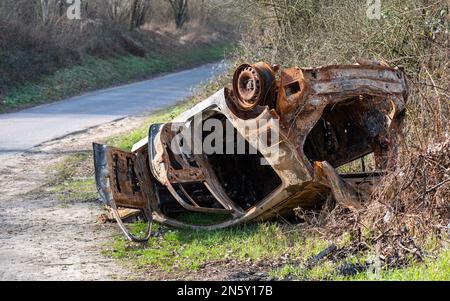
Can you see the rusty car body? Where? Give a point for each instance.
(325, 117)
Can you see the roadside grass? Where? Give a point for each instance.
(76, 190)
(431, 270)
(70, 180)
(97, 73)
(187, 251)
(66, 168)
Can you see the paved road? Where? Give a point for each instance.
(22, 130)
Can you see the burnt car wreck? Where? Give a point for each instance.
(312, 121)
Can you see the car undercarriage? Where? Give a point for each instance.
(275, 141)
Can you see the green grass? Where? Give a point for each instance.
(431, 270)
(66, 169)
(97, 73)
(188, 250)
(69, 182)
(76, 190)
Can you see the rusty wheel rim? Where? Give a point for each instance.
(248, 86)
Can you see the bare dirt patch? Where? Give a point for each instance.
(42, 238)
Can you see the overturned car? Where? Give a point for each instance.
(272, 143)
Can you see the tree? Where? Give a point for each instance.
(138, 11)
(180, 11)
(51, 9)
(44, 8)
(114, 9)
(61, 7)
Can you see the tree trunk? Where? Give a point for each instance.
(134, 8)
(61, 7)
(180, 11)
(138, 11)
(44, 7)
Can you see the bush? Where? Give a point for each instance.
(411, 33)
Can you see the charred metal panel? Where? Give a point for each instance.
(116, 177)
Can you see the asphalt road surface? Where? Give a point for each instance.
(25, 129)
